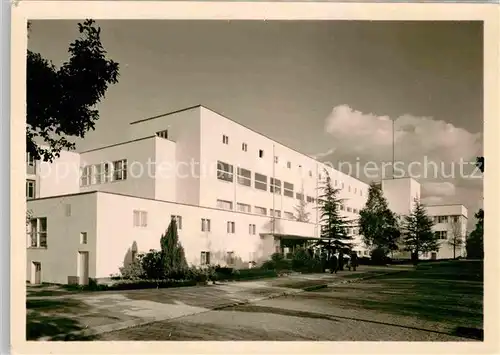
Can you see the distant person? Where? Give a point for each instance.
(341, 260)
(354, 260)
(334, 264)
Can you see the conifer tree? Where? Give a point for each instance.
(171, 249)
(301, 214)
(418, 234)
(475, 241)
(333, 224)
(377, 223)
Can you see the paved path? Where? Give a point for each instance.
(90, 313)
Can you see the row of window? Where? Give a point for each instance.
(244, 147)
(225, 172)
(446, 219)
(140, 219)
(246, 208)
(103, 172)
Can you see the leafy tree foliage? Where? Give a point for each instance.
(475, 244)
(377, 223)
(333, 224)
(418, 235)
(480, 163)
(301, 213)
(173, 257)
(61, 101)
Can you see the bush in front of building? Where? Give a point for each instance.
(277, 262)
(303, 261)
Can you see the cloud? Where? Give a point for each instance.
(324, 154)
(438, 189)
(436, 153)
(370, 136)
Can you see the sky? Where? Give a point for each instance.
(331, 89)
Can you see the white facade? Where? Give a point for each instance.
(95, 210)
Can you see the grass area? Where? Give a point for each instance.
(53, 318)
(450, 293)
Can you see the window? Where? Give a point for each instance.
(310, 199)
(30, 189)
(319, 177)
(275, 186)
(443, 219)
(224, 171)
(67, 210)
(244, 147)
(349, 188)
(441, 234)
(140, 218)
(287, 189)
(261, 153)
(289, 215)
(37, 232)
(288, 165)
(225, 139)
(342, 208)
(455, 219)
(205, 258)
(335, 182)
(30, 164)
(178, 220)
(120, 170)
(231, 227)
(30, 160)
(163, 134)
(360, 192)
(225, 205)
(275, 160)
(85, 176)
(230, 257)
(83, 237)
(275, 213)
(96, 174)
(310, 173)
(243, 207)
(299, 196)
(244, 177)
(205, 225)
(349, 209)
(354, 210)
(106, 173)
(251, 229)
(355, 190)
(260, 182)
(260, 210)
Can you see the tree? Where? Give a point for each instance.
(173, 257)
(377, 223)
(301, 213)
(480, 163)
(418, 235)
(475, 242)
(333, 225)
(61, 101)
(455, 240)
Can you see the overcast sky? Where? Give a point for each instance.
(327, 88)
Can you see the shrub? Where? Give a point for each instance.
(152, 264)
(303, 261)
(133, 271)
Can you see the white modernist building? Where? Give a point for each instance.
(233, 191)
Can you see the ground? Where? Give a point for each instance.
(435, 302)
